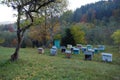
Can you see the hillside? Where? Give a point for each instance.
(98, 21)
(102, 11)
(34, 66)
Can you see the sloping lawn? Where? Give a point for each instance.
(34, 66)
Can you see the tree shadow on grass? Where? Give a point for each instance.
(5, 63)
(8, 62)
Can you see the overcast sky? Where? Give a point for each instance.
(73, 4)
(6, 14)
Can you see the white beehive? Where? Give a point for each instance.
(69, 46)
(68, 52)
(79, 46)
(107, 57)
(63, 49)
(40, 50)
(53, 51)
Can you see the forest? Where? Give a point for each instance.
(93, 23)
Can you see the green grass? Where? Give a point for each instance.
(34, 66)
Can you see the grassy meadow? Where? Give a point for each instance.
(34, 66)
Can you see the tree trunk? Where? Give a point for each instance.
(15, 56)
(51, 30)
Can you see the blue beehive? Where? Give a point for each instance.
(84, 49)
(101, 47)
(76, 51)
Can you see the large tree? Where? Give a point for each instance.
(50, 16)
(116, 38)
(78, 34)
(67, 38)
(26, 9)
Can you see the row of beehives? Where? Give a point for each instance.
(83, 49)
(88, 51)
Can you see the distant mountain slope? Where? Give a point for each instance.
(102, 10)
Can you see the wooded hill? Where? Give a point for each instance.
(102, 10)
(98, 20)
(90, 24)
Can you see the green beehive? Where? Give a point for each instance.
(89, 47)
(95, 50)
(57, 43)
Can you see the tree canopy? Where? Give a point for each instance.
(26, 10)
(116, 37)
(78, 34)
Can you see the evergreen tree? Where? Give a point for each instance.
(68, 38)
